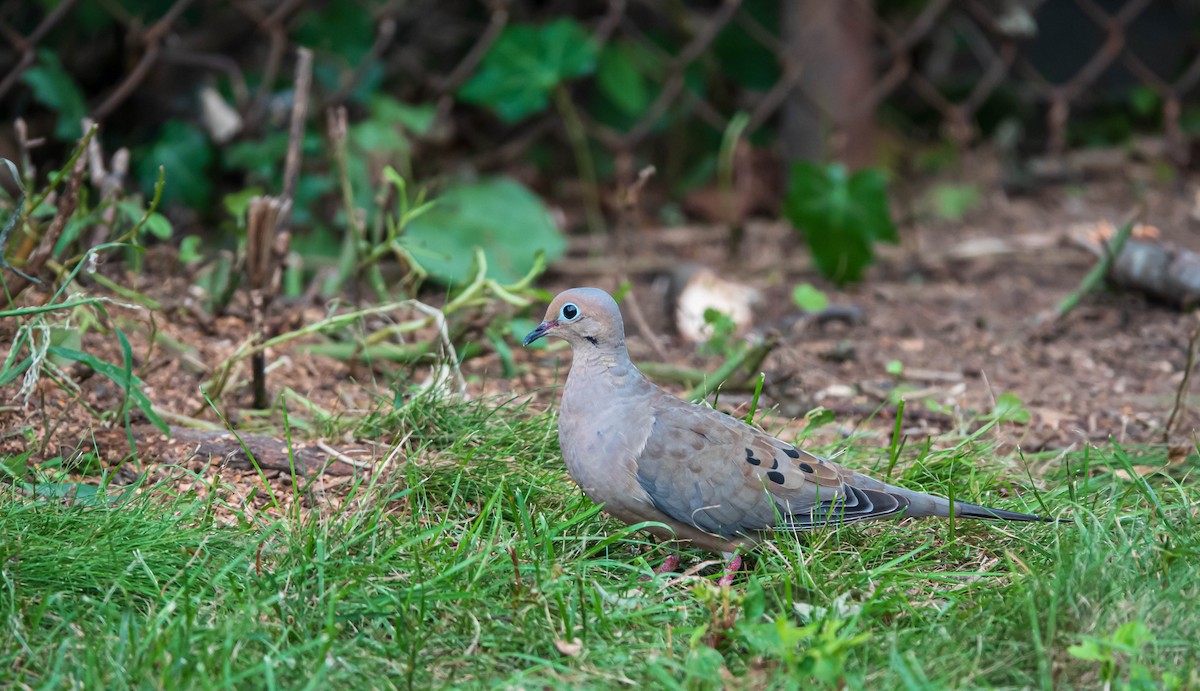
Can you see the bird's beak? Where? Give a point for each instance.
(540, 331)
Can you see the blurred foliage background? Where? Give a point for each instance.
(496, 108)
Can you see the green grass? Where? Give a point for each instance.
(475, 560)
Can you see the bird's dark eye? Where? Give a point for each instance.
(569, 311)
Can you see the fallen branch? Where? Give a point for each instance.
(1111, 250)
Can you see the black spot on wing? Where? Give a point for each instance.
(792, 452)
(751, 459)
(776, 477)
(806, 468)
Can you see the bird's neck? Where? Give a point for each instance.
(609, 368)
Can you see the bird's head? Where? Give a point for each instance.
(582, 316)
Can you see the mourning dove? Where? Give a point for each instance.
(709, 478)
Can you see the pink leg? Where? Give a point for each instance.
(668, 565)
(731, 568)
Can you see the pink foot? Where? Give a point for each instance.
(668, 565)
(731, 570)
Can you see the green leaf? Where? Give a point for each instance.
(80, 492)
(185, 153)
(262, 158)
(498, 215)
(1010, 408)
(156, 224)
(743, 56)
(375, 137)
(526, 63)
(952, 202)
(894, 368)
(417, 119)
(818, 417)
(618, 77)
(119, 376)
(16, 467)
(345, 29)
(518, 328)
(1089, 650)
(808, 298)
(54, 88)
(840, 215)
(1133, 634)
(11, 372)
(236, 203)
(703, 662)
(1144, 101)
(189, 250)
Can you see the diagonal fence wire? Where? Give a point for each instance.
(985, 42)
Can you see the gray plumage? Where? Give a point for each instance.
(717, 482)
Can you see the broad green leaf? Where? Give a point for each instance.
(54, 88)
(618, 77)
(498, 215)
(185, 153)
(840, 215)
(521, 69)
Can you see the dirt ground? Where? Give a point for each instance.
(958, 304)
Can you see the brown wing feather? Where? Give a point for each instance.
(710, 470)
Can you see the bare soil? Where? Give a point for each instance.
(961, 304)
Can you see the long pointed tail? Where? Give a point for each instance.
(921, 504)
(966, 510)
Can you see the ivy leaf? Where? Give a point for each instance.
(185, 153)
(499, 215)
(840, 215)
(621, 80)
(526, 63)
(54, 88)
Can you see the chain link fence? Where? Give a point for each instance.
(819, 72)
